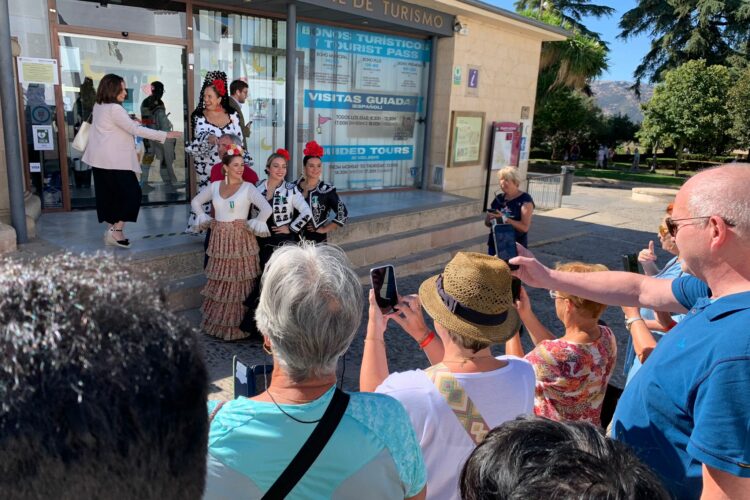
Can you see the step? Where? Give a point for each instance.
(433, 259)
(185, 293)
(366, 252)
(388, 223)
(174, 261)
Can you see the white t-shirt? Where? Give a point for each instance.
(499, 395)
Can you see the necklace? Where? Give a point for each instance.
(291, 416)
(466, 359)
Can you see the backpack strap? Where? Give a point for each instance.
(459, 402)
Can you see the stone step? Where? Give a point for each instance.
(185, 293)
(175, 261)
(432, 259)
(396, 246)
(389, 223)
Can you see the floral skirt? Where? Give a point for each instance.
(231, 272)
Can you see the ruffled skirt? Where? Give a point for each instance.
(231, 272)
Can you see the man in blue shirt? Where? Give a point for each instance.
(687, 412)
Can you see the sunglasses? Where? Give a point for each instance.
(673, 227)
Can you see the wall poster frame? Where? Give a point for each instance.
(467, 135)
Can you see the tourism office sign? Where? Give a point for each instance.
(395, 12)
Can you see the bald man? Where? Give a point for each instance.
(687, 412)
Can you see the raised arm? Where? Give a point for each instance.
(523, 225)
(122, 120)
(608, 287)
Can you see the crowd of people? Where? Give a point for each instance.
(104, 392)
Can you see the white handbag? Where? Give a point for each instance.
(81, 140)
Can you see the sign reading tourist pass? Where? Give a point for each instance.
(362, 100)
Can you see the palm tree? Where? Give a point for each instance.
(570, 11)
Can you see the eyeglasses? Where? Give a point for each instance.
(673, 227)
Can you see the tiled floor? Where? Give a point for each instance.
(162, 227)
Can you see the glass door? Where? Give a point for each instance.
(84, 60)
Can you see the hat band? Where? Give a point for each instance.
(463, 312)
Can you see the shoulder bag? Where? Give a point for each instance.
(312, 448)
(459, 402)
(81, 140)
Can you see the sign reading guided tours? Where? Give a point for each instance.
(362, 100)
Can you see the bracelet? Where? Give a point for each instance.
(629, 322)
(373, 338)
(426, 340)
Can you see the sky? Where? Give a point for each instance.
(624, 56)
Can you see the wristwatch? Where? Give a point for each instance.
(629, 322)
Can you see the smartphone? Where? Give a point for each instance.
(505, 242)
(630, 262)
(249, 381)
(383, 281)
(515, 288)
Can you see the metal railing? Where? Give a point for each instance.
(546, 190)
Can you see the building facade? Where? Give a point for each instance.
(401, 95)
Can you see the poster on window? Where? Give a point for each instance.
(362, 98)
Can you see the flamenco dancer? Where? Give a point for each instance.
(233, 249)
(290, 214)
(212, 118)
(321, 197)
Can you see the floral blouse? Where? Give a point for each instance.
(571, 378)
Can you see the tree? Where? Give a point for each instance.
(689, 109)
(571, 12)
(567, 117)
(739, 104)
(617, 129)
(717, 31)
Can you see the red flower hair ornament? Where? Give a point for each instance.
(218, 84)
(234, 150)
(283, 153)
(312, 148)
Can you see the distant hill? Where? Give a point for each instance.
(616, 97)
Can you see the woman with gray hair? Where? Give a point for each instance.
(512, 206)
(309, 311)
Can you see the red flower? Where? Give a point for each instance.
(312, 148)
(221, 89)
(283, 153)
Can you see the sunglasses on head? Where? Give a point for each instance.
(673, 227)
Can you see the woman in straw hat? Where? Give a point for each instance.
(467, 391)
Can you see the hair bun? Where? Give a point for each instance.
(312, 148)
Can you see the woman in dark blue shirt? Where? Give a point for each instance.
(512, 206)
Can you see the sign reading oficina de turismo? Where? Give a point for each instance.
(362, 99)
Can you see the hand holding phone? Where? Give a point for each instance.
(383, 281)
(504, 237)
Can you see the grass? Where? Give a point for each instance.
(662, 177)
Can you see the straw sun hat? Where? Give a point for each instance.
(472, 298)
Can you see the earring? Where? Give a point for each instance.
(226, 178)
(267, 349)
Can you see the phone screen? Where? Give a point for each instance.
(383, 281)
(505, 242)
(630, 263)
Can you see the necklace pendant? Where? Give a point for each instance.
(231, 206)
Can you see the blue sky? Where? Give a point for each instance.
(624, 56)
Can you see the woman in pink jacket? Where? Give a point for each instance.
(111, 153)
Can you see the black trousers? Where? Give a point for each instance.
(118, 195)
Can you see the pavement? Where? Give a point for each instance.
(596, 224)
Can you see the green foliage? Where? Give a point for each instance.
(717, 31)
(568, 117)
(571, 13)
(689, 109)
(739, 107)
